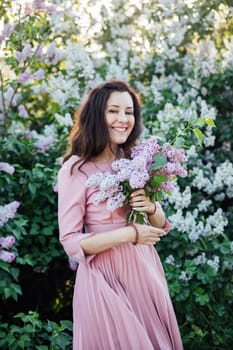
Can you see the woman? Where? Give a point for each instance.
(121, 300)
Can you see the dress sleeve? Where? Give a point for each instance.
(71, 212)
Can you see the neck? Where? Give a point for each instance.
(108, 155)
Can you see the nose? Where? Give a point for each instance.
(122, 117)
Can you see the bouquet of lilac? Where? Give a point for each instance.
(152, 166)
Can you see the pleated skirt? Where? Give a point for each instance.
(121, 302)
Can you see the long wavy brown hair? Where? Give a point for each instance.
(89, 135)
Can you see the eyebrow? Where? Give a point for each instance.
(119, 106)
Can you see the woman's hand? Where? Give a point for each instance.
(140, 202)
(147, 234)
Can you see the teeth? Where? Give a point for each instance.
(120, 129)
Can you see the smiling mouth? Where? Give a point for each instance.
(120, 129)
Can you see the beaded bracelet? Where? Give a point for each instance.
(154, 211)
(136, 232)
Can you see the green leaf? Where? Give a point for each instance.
(159, 161)
(210, 122)
(199, 135)
(156, 180)
(179, 142)
(200, 121)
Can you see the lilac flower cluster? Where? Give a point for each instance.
(5, 244)
(7, 168)
(151, 166)
(8, 212)
(169, 155)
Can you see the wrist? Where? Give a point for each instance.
(153, 211)
(136, 233)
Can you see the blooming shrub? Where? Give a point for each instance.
(178, 55)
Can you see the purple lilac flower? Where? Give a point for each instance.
(72, 263)
(8, 212)
(22, 112)
(121, 164)
(10, 96)
(53, 54)
(24, 77)
(27, 52)
(44, 143)
(139, 163)
(38, 4)
(115, 202)
(55, 187)
(39, 75)
(138, 179)
(109, 182)
(7, 30)
(6, 256)
(9, 169)
(167, 186)
(7, 242)
(95, 179)
(38, 51)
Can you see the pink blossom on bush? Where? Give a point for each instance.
(9, 169)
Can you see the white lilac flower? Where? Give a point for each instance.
(7, 168)
(64, 91)
(231, 247)
(220, 197)
(17, 128)
(65, 120)
(200, 259)
(180, 199)
(214, 263)
(78, 60)
(204, 205)
(228, 265)
(43, 142)
(217, 222)
(184, 277)
(170, 260)
(8, 212)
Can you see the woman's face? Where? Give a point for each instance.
(119, 116)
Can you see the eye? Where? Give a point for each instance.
(129, 113)
(113, 111)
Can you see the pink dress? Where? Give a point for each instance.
(121, 300)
